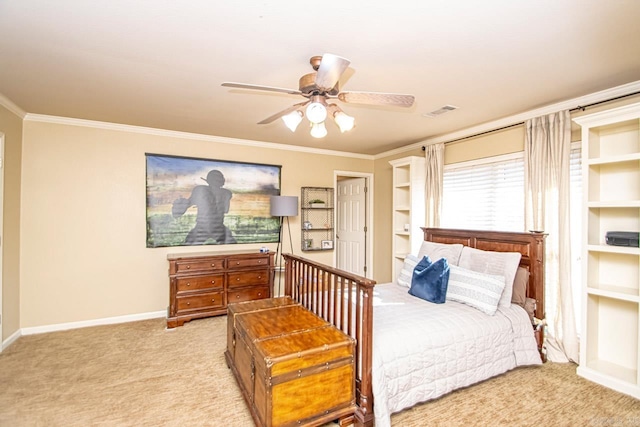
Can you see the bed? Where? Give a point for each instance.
(409, 350)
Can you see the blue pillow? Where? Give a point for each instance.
(430, 280)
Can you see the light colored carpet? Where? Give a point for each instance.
(141, 374)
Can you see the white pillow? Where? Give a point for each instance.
(406, 274)
(503, 264)
(479, 290)
(435, 251)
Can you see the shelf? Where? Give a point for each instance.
(321, 217)
(615, 204)
(618, 372)
(623, 158)
(614, 292)
(614, 249)
(610, 335)
(408, 210)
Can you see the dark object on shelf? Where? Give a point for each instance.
(622, 238)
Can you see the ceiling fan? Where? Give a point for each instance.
(320, 86)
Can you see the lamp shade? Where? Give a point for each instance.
(284, 206)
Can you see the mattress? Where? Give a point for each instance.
(422, 350)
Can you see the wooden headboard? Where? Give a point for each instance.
(530, 246)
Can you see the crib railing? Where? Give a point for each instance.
(346, 301)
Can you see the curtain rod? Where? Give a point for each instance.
(579, 107)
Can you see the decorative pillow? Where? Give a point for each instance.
(435, 251)
(479, 290)
(404, 278)
(519, 295)
(430, 280)
(502, 264)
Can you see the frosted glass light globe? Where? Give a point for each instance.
(316, 112)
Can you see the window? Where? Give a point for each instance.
(488, 194)
(485, 194)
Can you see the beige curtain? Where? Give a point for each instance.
(434, 170)
(547, 151)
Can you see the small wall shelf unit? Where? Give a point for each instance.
(408, 209)
(317, 218)
(610, 343)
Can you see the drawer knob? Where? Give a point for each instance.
(237, 296)
(188, 284)
(259, 277)
(188, 267)
(259, 294)
(237, 279)
(237, 262)
(213, 265)
(213, 300)
(188, 303)
(260, 262)
(213, 281)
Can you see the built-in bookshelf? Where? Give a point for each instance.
(609, 342)
(408, 209)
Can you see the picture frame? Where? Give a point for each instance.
(194, 201)
(308, 244)
(326, 244)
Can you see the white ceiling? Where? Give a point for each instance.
(159, 63)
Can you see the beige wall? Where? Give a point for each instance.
(11, 127)
(83, 217)
(83, 251)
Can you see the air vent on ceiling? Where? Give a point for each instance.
(440, 111)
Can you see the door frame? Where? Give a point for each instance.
(368, 214)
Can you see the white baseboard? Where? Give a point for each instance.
(96, 322)
(6, 343)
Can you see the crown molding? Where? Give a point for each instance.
(569, 104)
(9, 105)
(186, 135)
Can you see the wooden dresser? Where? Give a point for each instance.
(202, 284)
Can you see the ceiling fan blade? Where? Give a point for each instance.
(260, 87)
(283, 113)
(330, 70)
(373, 98)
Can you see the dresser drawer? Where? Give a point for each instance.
(200, 301)
(195, 265)
(244, 278)
(194, 283)
(250, 294)
(247, 262)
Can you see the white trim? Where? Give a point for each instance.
(601, 96)
(485, 160)
(2, 169)
(9, 105)
(6, 343)
(187, 135)
(96, 322)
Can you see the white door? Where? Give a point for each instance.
(351, 230)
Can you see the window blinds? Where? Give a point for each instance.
(486, 196)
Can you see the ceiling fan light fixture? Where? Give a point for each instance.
(344, 121)
(318, 130)
(316, 112)
(292, 120)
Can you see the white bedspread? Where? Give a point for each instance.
(422, 350)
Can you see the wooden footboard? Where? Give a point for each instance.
(346, 301)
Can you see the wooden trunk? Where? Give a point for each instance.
(293, 367)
